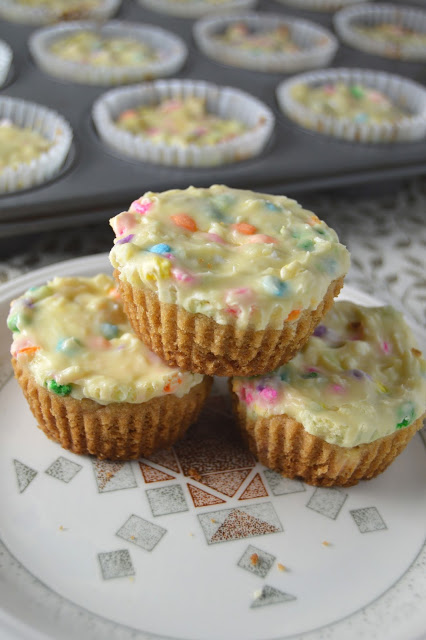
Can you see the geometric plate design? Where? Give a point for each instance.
(270, 595)
(194, 454)
(153, 475)
(328, 501)
(165, 458)
(113, 476)
(227, 483)
(166, 500)
(63, 469)
(116, 564)
(368, 519)
(256, 489)
(24, 475)
(141, 532)
(202, 498)
(256, 561)
(238, 523)
(280, 485)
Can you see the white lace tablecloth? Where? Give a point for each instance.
(386, 236)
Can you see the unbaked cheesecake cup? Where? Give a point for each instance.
(225, 102)
(47, 123)
(347, 20)
(170, 53)
(16, 11)
(315, 45)
(406, 94)
(196, 8)
(319, 5)
(6, 57)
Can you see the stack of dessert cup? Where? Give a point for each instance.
(222, 282)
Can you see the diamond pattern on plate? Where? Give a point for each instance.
(24, 475)
(256, 561)
(227, 483)
(165, 458)
(196, 454)
(116, 564)
(166, 500)
(256, 489)
(113, 476)
(327, 501)
(141, 532)
(150, 474)
(202, 498)
(280, 485)
(63, 469)
(368, 519)
(271, 595)
(238, 523)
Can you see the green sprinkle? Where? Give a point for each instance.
(108, 330)
(357, 91)
(406, 414)
(59, 389)
(311, 374)
(306, 245)
(12, 322)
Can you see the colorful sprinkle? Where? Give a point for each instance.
(27, 350)
(357, 373)
(357, 91)
(320, 331)
(142, 206)
(214, 237)
(293, 315)
(275, 286)
(70, 346)
(313, 220)
(182, 276)
(272, 206)
(59, 389)
(386, 348)
(98, 343)
(269, 394)
(124, 222)
(12, 322)
(184, 221)
(114, 293)
(160, 248)
(338, 388)
(259, 238)
(406, 415)
(108, 330)
(126, 239)
(244, 228)
(127, 115)
(306, 245)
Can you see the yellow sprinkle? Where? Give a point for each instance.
(381, 387)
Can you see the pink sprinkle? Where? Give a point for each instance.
(234, 311)
(329, 89)
(386, 347)
(337, 388)
(214, 237)
(248, 397)
(269, 394)
(259, 238)
(312, 370)
(182, 276)
(98, 343)
(142, 206)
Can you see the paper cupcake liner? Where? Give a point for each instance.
(405, 93)
(281, 443)
(196, 8)
(5, 61)
(13, 11)
(319, 5)
(225, 102)
(51, 126)
(171, 48)
(194, 342)
(371, 15)
(318, 45)
(117, 431)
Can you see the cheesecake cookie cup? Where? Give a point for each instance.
(184, 123)
(114, 53)
(265, 42)
(34, 144)
(344, 407)
(225, 281)
(49, 11)
(196, 8)
(357, 105)
(388, 30)
(319, 5)
(91, 384)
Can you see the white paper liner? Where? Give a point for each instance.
(5, 61)
(196, 8)
(405, 93)
(318, 45)
(226, 102)
(319, 5)
(15, 12)
(51, 126)
(370, 15)
(171, 48)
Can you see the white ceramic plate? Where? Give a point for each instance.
(118, 551)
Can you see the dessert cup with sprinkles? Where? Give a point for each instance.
(5, 61)
(225, 281)
(34, 143)
(196, 8)
(115, 53)
(345, 406)
(384, 29)
(265, 42)
(48, 11)
(184, 123)
(319, 5)
(90, 383)
(356, 104)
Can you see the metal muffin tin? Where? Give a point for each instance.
(96, 183)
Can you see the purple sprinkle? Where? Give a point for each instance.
(260, 387)
(320, 331)
(29, 304)
(126, 239)
(357, 373)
